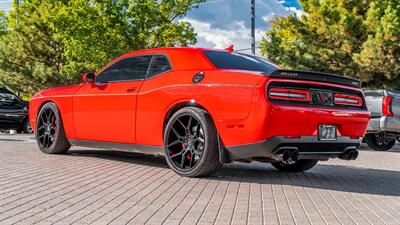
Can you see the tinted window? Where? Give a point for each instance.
(226, 60)
(125, 70)
(159, 65)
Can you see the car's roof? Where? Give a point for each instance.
(181, 58)
(169, 49)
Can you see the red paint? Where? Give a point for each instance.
(386, 106)
(290, 94)
(230, 48)
(357, 100)
(134, 112)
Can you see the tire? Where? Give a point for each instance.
(27, 129)
(298, 166)
(190, 150)
(373, 142)
(20, 130)
(50, 134)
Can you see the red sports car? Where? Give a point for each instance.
(204, 107)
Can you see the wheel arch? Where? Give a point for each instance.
(180, 105)
(43, 104)
(223, 155)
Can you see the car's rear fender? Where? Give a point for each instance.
(225, 99)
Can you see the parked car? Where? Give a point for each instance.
(204, 107)
(13, 112)
(384, 127)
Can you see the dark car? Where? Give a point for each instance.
(13, 112)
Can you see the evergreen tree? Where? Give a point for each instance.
(353, 37)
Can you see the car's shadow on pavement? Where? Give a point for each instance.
(129, 157)
(342, 178)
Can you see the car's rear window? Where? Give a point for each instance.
(237, 61)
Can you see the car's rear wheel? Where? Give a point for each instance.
(50, 134)
(377, 142)
(295, 166)
(191, 143)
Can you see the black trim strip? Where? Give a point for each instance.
(146, 149)
(305, 145)
(316, 76)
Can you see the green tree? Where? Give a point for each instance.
(50, 41)
(3, 24)
(353, 37)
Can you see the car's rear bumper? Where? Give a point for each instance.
(307, 147)
(384, 123)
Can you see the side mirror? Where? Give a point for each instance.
(89, 77)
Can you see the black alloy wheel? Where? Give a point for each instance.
(186, 142)
(191, 144)
(378, 141)
(50, 134)
(46, 130)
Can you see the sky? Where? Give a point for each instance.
(5, 5)
(220, 23)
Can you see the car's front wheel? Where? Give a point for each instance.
(191, 143)
(295, 166)
(50, 134)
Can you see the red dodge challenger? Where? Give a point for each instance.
(204, 107)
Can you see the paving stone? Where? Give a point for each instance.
(91, 186)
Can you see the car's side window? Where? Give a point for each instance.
(128, 69)
(159, 64)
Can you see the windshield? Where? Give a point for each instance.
(238, 61)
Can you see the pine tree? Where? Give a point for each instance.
(353, 37)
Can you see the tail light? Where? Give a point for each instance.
(289, 94)
(387, 106)
(350, 100)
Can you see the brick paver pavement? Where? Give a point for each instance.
(90, 186)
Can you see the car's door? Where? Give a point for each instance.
(11, 110)
(152, 103)
(105, 111)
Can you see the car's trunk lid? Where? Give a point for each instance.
(316, 76)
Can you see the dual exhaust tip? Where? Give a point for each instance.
(293, 154)
(290, 155)
(351, 154)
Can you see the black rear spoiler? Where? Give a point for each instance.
(316, 76)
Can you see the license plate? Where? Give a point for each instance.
(327, 132)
